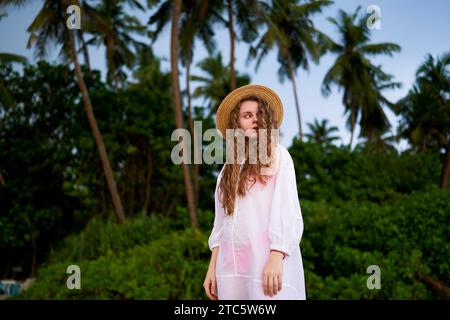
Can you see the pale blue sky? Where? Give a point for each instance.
(418, 26)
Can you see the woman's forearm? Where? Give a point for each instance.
(212, 262)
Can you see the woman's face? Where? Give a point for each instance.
(248, 117)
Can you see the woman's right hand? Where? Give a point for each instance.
(210, 284)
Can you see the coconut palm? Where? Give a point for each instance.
(49, 27)
(425, 110)
(373, 120)
(380, 143)
(320, 132)
(290, 30)
(436, 73)
(214, 85)
(416, 124)
(111, 26)
(353, 72)
(242, 16)
(176, 96)
(195, 22)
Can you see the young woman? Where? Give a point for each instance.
(258, 222)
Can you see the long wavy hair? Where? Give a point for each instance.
(234, 176)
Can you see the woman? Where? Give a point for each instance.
(258, 223)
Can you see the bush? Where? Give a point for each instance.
(403, 239)
(327, 172)
(107, 238)
(157, 258)
(172, 267)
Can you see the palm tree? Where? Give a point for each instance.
(426, 110)
(291, 30)
(242, 15)
(109, 25)
(215, 84)
(196, 21)
(435, 73)
(176, 96)
(373, 121)
(381, 143)
(418, 116)
(353, 72)
(49, 26)
(320, 132)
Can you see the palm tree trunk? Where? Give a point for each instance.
(443, 181)
(352, 132)
(352, 123)
(176, 9)
(423, 145)
(297, 105)
(132, 184)
(231, 30)
(148, 180)
(196, 167)
(97, 135)
(349, 104)
(85, 51)
(437, 286)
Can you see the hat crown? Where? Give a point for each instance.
(237, 95)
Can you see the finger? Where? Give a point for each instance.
(270, 285)
(265, 283)
(275, 284)
(214, 289)
(280, 281)
(208, 289)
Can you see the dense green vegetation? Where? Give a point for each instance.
(87, 179)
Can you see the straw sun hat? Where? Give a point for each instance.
(235, 96)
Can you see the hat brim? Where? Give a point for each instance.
(235, 96)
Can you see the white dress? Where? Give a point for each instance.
(268, 217)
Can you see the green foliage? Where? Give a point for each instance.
(106, 238)
(327, 172)
(409, 236)
(172, 267)
(154, 258)
(49, 164)
(361, 207)
(181, 220)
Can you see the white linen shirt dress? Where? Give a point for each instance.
(268, 217)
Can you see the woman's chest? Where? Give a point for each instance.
(255, 206)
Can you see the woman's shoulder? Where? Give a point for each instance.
(277, 160)
(219, 176)
(282, 149)
(283, 154)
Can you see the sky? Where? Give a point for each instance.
(418, 26)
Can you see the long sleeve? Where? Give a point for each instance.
(286, 222)
(219, 216)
